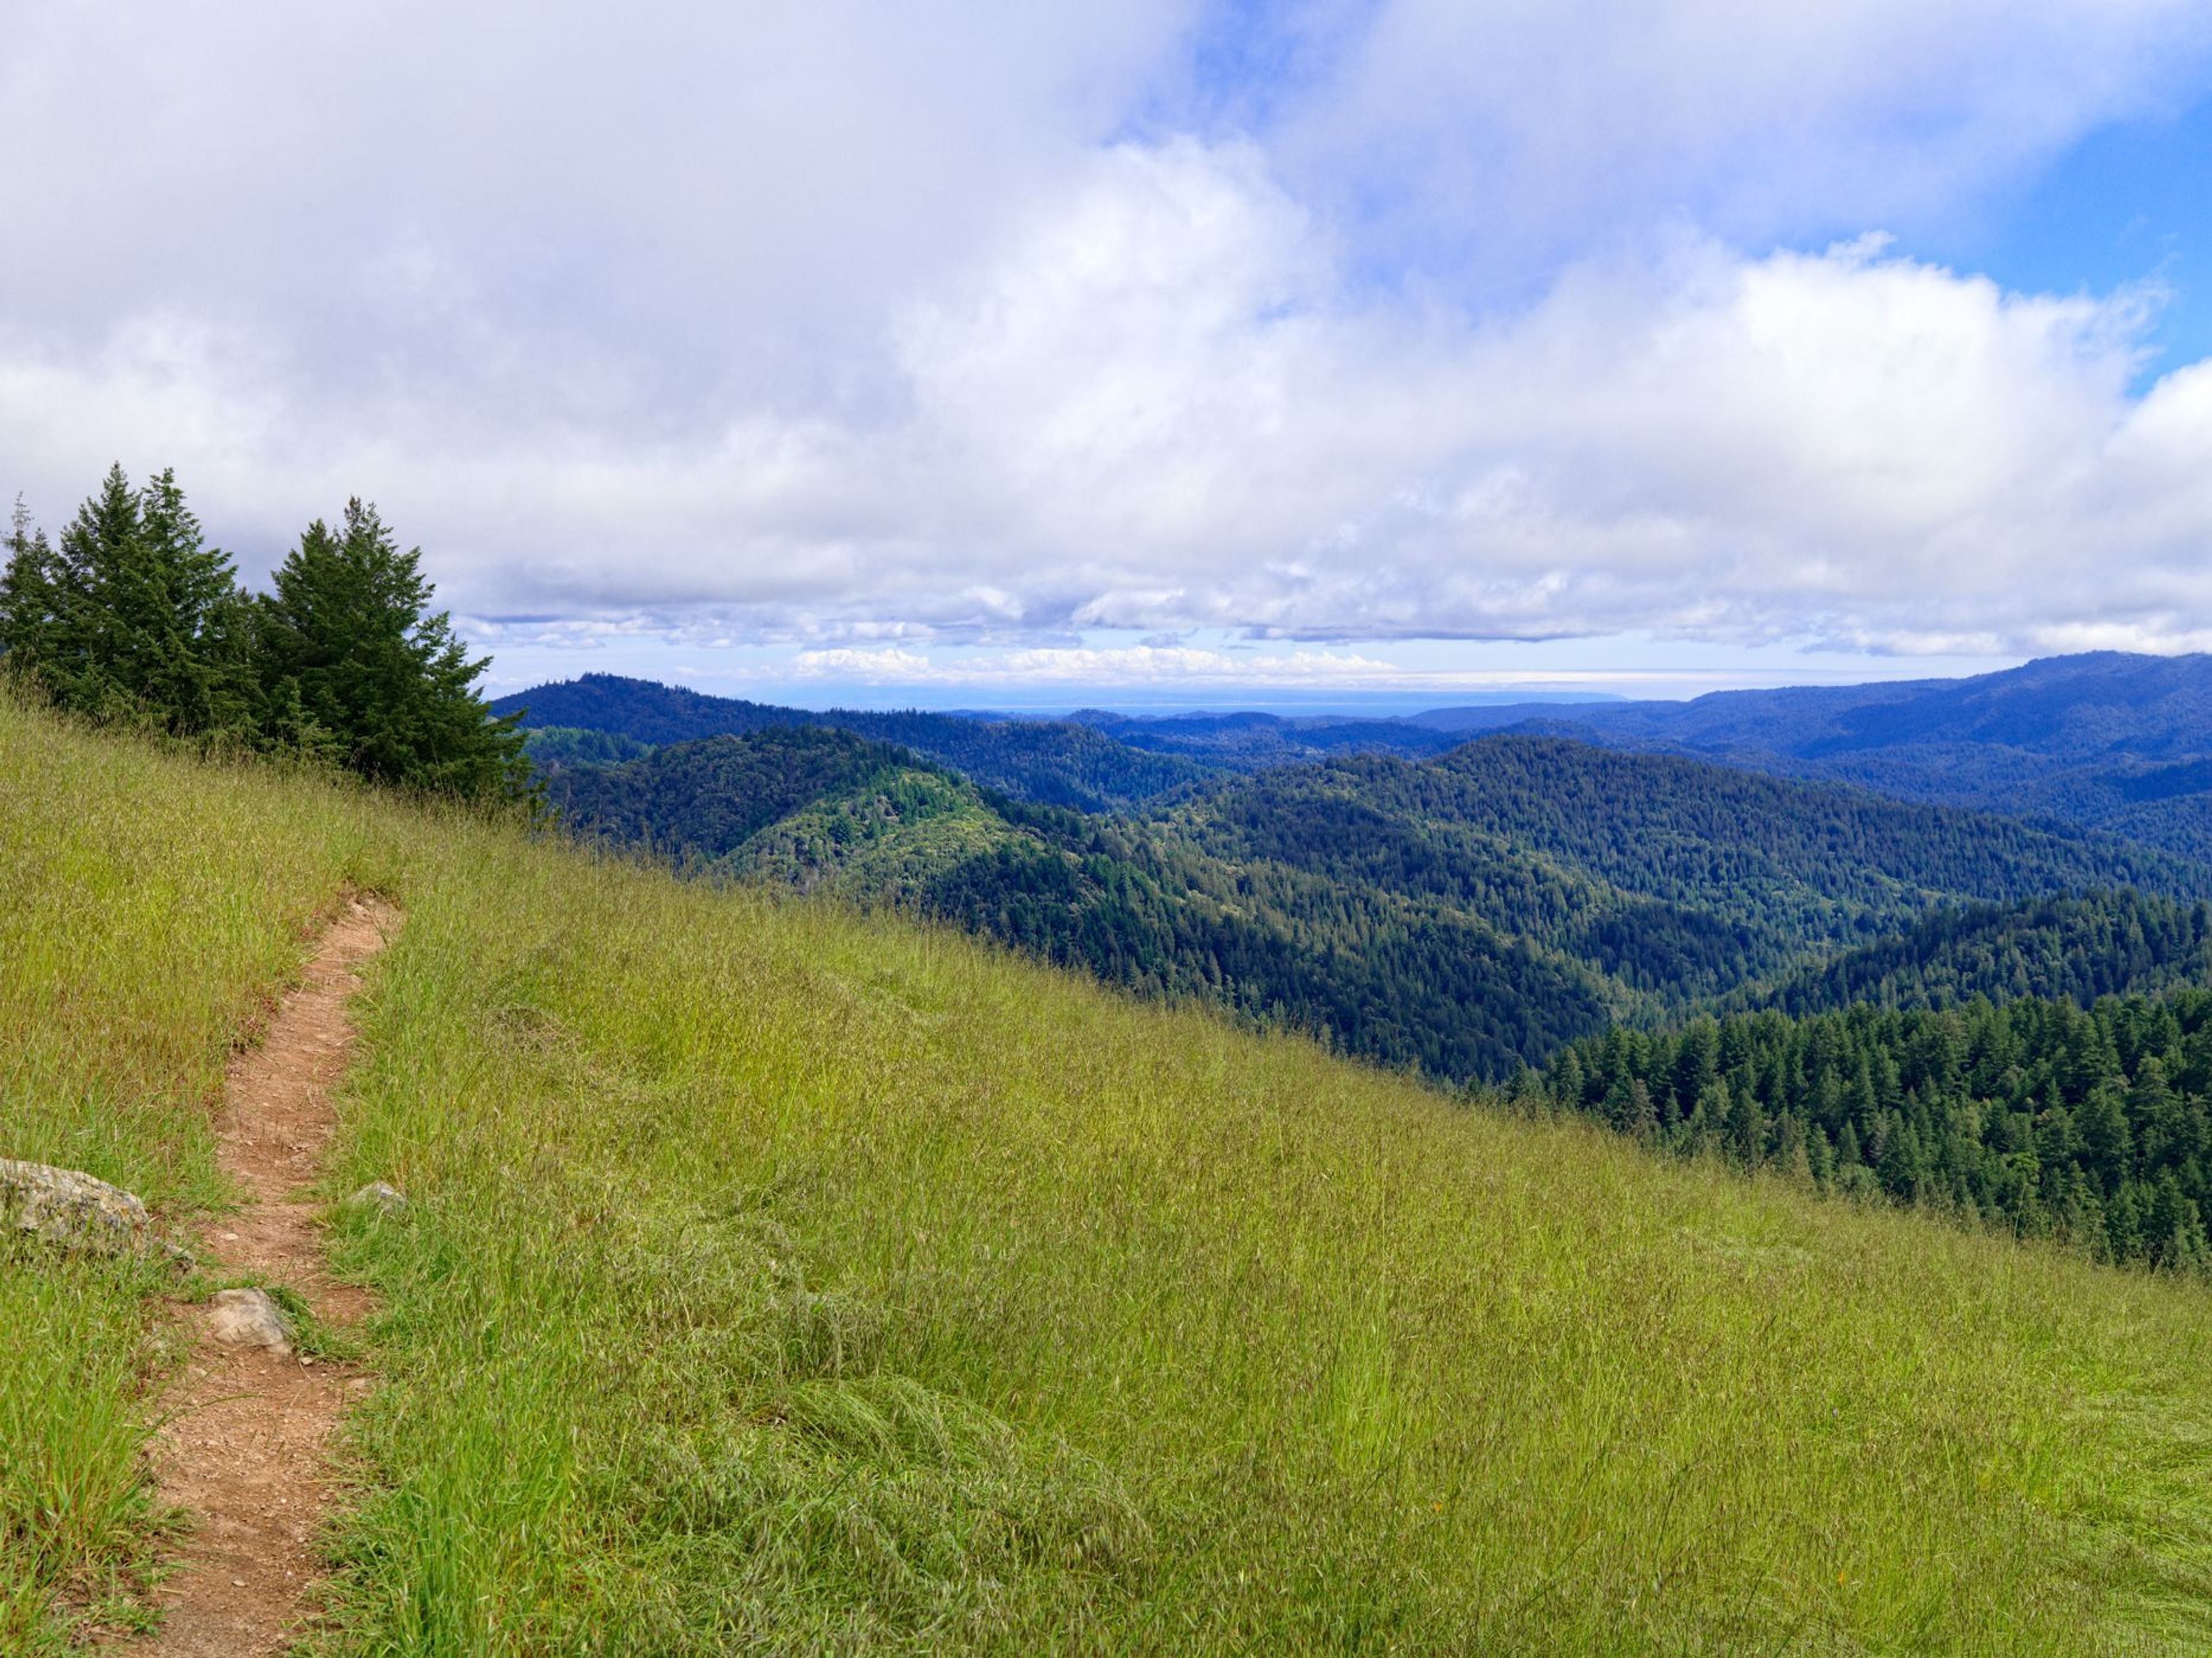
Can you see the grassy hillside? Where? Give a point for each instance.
(780, 1278)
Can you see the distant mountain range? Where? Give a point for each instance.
(1055, 763)
(2108, 741)
(2113, 742)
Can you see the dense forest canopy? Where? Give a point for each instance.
(2092, 1125)
(2076, 946)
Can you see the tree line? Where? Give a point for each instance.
(2048, 1118)
(131, 616)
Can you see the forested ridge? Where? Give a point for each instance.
(2107, 741)
(1682, 879)
(1056, 762)
(2104, 740)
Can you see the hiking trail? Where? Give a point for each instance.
(243, 1452)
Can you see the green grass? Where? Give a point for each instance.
(777, 1279)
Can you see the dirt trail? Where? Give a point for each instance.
(244, 1452)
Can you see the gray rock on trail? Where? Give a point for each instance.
(384, 1199)
(249, 1318)
(68, 1207)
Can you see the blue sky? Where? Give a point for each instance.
(2129, 203)
(1333, 352)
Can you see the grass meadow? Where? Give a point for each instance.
(778, 1278)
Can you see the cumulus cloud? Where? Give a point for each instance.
(870, 330)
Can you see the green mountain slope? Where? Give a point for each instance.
(1403, 978)
(2077, 947)
(1463, 915)
(779, 1277)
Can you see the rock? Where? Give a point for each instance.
(69, 1207)
(249, 1318)
(384, 1199)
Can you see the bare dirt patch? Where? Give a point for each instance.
(245, 1451)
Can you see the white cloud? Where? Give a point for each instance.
(859, 328)
(1134, 665)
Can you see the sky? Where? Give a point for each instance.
(1165, 354)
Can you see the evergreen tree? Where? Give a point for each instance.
(29, 625)
(198, 665)
(350, 648)
(134, 616)
(2102, 1123)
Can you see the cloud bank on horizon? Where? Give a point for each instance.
(869, 332)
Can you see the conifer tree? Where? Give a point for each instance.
(199, 668)
(134, 616)
(29, 597)
(350, 648)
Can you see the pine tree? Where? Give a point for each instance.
(1747, 1126)
(349, 648)
(1568, 1082)
(1699, 1062)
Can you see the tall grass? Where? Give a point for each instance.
(781, 1279)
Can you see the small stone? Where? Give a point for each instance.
(384, 1199)
(249, 1318)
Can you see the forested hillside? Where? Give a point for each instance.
(2077, 947)
(2093, 1126)
(1464, 915)
(1729, 873)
